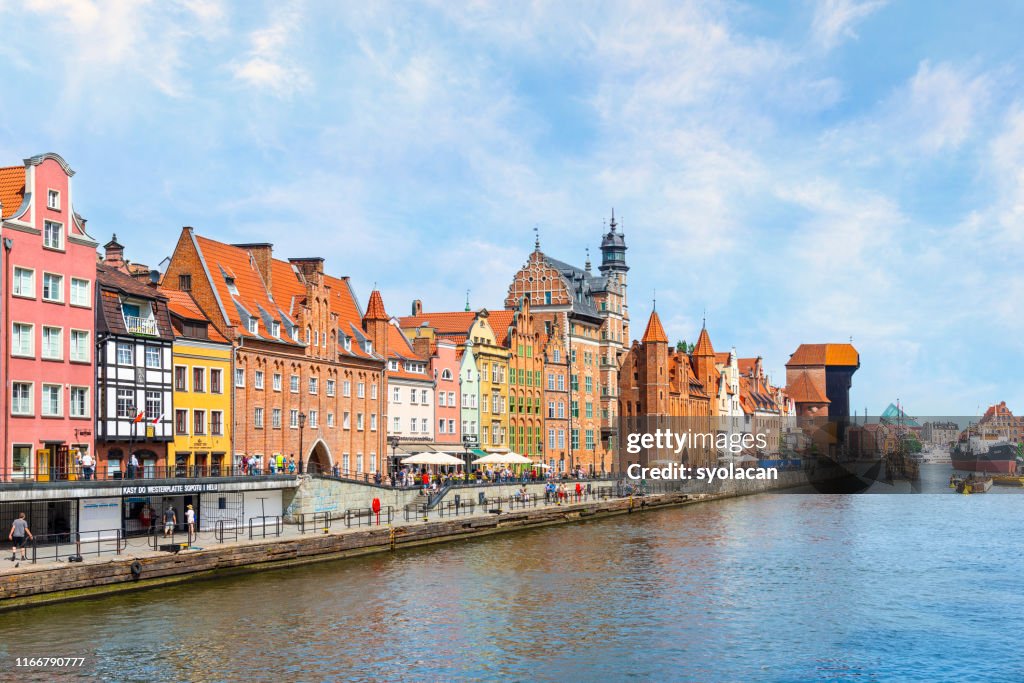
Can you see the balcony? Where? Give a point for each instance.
(142, 326)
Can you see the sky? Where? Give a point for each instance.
(797, 172)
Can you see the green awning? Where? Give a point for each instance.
(479, 452)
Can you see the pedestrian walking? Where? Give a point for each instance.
(170, 520)
(19, 534)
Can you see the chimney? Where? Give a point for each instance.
(311, 268)
(421, 345)
(417, 307)
(262, 254)
(113, 253)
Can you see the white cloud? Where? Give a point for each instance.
(269, 65)
(834, 20)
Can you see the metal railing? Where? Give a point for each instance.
(278, 525)
(454, 508)
(83, 541)
(385, 516)
(314, 521)
(139, 325)
(80, 474)
(223, 528)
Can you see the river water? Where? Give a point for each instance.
(778, 587)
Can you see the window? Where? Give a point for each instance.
(293, 384)
(199, 421)
(412, 424)
(330, 387)
(330, 419)
(451, 399)
(440, 426)
(446, 374)
(575, 439)
(185, 282)
(346, 420)
(257, 379)
(551, 438)
(154, 406)
(346, 388)
(216, 383)
(359, 463)
(199, 380)
(551, 409)
(589, 439)
(423, 396)
(277, 381)
(359, 421)
(361, 390)
(276, 329)
(53, 235)
(181, 421)
(440, 399)
(217, 422)
(373, 422)
(80, 348)
(373, 463)
(373, 392)
(53, 287)
(561, 410)
(79, 292)
(396, 396)
(239, 377)
(21, 398)
(22, 458)
(588, 383)
(79, 402)
(314, 385)
(22, 341)
(396, 425)
(424, 425)
(313, 415)
(293, 419)
(125, 353)
(275, 418)
(253, 325)
(589, 411)
(52, 347)
(451, 426)
(53, 200)
(180, 378)
(412, 396)
(153, 359)
(24, 282)
(125, 403)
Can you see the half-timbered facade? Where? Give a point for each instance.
(134, 381)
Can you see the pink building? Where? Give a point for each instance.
(46, 309)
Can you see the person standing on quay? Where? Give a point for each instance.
(19, 532)
(190, 519)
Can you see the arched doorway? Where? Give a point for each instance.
(319, 460)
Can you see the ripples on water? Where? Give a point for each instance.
(775, 587)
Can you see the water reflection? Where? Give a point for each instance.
(770, 587)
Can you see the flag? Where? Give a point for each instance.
(156, 420)
(138, 418)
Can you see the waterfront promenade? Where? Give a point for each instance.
(212, 553)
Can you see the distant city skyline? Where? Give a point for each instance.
(803, 173)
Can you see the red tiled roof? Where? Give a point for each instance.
(704, 347)
(375, 307)
(184, 306)
(803, 390)
(722, 357)
(825, 354)
(12, 189)
(746, 365)
(654, 333)
(455, 324)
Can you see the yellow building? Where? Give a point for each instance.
(492, 360)
(202, 372)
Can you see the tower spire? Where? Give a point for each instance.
(613, 223)
(654, 299)
(536, 238)
(586, 266)
(467, 300)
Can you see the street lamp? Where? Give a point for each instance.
(393, 467)
(302, 429)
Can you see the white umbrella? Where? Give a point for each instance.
(543, 466)
(418, 459)
(508, 458)
(428, 458)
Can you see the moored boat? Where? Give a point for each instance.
(983, 455)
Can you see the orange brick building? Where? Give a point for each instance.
(309, 381)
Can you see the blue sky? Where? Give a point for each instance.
(806, 172)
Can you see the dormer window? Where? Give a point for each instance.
(276, 329)
(230, 282)
(138, 318)
(347, 343)
(392, 365)
(254, 325)
(368, 346)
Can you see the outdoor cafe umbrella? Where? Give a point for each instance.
(509, 458)
(428, 458)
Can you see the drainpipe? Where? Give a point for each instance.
(8, 244)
